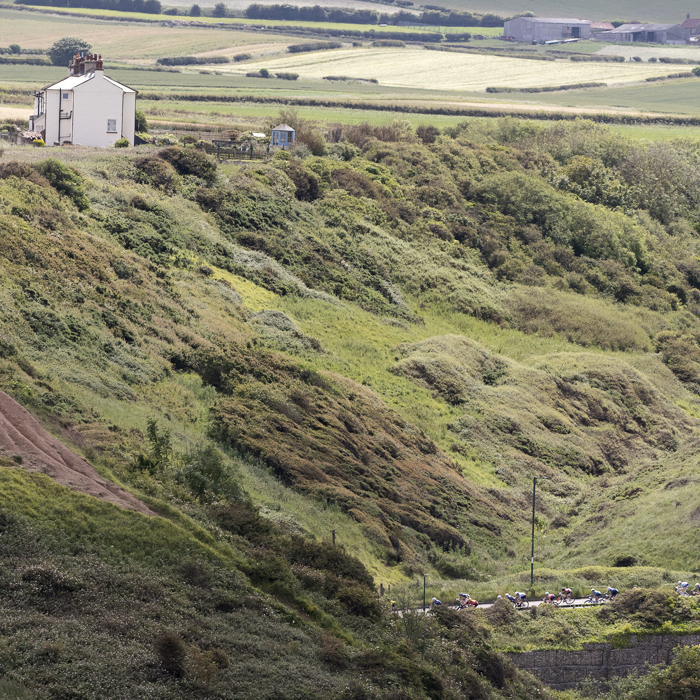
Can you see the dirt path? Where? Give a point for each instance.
(24, 441)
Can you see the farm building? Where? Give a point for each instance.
(601, 27)
(282, 135)
(647, 33)
(546, 29)
(691, 27)
(86, 108)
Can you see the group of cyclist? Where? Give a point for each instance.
(683, 588)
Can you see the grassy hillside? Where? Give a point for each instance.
(388, 339)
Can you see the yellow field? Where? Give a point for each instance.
(142, 43)
(419, 68)
(13, 112)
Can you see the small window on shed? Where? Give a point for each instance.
(66, 95)
(111, 125)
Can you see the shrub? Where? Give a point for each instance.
(189, 161)
(15, 48)
(157, 173)
(314, 46)
(141, 124)
(207, 476)
(171, 652)
(123, 142)
(195, 11)
(287, 76)
(39, 142)
(65, 180)
(241, 57)
(389, 42)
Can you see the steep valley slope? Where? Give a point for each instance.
(389, 340)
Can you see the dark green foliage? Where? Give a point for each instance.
(141, 124)
(195, 11)
(63, 50)
(395, 43)
(314, 46)
(207, 476)
(158, 173)
(189, 161)
(306, 182)
(66, 180)
(171, 653)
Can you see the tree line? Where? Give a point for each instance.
(345, 15)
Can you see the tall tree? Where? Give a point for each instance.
(65, 48)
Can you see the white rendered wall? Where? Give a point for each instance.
(53, 108)
(96, 101)
(129, 116)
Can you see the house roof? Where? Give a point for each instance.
(691, 24)
(74, 81)
(555, 20)
(283, 127)
(602, 25)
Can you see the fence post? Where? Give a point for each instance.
(381, 589)
(333, 532)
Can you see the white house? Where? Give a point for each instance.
(86, 108)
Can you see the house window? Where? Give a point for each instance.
(66, 95)
(111, 125)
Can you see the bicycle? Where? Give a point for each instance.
(521, 604)
(565, 600)
(592, 600)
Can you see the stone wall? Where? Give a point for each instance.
(566, 669)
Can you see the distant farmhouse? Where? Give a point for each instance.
(86, 108)
(647, 33)
(546, 29)
(692, 29)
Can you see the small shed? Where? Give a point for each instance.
(282, 135)
(547, 29)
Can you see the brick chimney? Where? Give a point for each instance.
(80, 65)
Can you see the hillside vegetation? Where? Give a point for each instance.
(388, 339)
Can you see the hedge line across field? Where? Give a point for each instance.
(444, 111)
(191, 61)
(549, 88)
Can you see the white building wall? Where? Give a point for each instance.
(53, 108)
(97, 102)
(129, 116)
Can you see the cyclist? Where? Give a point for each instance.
(612, 592)
(696, 590)
(682, 588)
(519, 597)
(548, 598)
(463, 598)
(566, 593)
(435, 602)
(510, 598)
(471, 603)
(596, 595)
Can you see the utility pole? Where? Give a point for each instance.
(532, 556)
(424, 577)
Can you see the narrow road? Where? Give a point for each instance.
(578, 603)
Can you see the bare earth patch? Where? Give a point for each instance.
(23, 439)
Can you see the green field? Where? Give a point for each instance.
(454, 71)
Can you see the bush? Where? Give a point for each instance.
(207, 476)
(389, 42)
(39, 142)
(189, 161)
(171, 652)
(65, 180)
(123, 142)
(241, 57)
(314, 46)
(287, 76)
